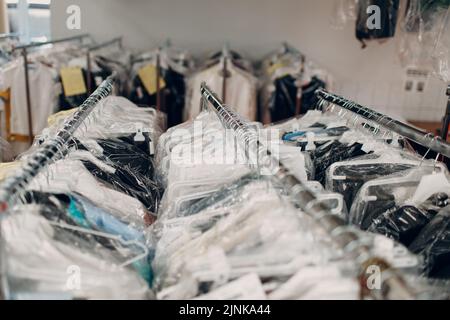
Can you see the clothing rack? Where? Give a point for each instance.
(96, 47)
(24, 49)
(6, 36)
(346, 239)
(158, 79)
(53, 148)
(446, 120)
(287, 48)
(299, 95)
(225, 56)
(160, 102)
(428, 140)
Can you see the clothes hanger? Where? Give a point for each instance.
(126, 243)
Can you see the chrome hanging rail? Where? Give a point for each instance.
(24, 49)
(51, 149)
(425, 139)
(343, 236)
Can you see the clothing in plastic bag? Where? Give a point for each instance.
(405, 223)
(331, 152)
(283, 101)
(41, 253)
(386, 13)
(433, 243)
(173, 95)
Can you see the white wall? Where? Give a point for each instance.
(255, 27)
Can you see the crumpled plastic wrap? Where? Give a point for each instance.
(424, 40)
(433, 244)
(344, 11)
(245, 235)
(347, 177)
(403, 223)
(45, 258)
(388, 196)
(441, 51)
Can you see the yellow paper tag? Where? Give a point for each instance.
(271, 70)
(73, 81)
(148, 78)
(278, 65)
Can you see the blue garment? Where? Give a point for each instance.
(87, 215)
(293, 135)
(93, 216)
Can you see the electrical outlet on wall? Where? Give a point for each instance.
(416, 80)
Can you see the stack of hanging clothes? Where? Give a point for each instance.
(229, 71)
(87, 215)
(175, 66)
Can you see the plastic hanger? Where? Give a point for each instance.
(127, 243)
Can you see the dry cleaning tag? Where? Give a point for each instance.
(148, 78)
(73, 81)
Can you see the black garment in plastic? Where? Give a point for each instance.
(172, 96)
(404, 223)
(385, 201)
(110, 66)
(433, 243)
(69, 102)
(283, 102)
(377, 19)
(127, 155)
(129, 182)
(144, 146)
(357, 175)
(334, 151)
(134, 171)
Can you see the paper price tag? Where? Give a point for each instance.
(147, 75)
(271, 70)
(73, 81)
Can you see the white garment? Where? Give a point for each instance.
(241, 91)
(43, 265)
(117, 116)
(306, 282)
(6, 73)
(43, 91)
(66, 176)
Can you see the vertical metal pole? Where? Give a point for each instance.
(224, 82)
(89, 72)
(299, 95)
(298, 101)
(28, 95)
(158, 76)
(446, 121)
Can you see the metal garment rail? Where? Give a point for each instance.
(24, 49)
(446, 121)
(5, 36)
(425, 139)
(96, 47)
(51, 149)
(345, 238)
